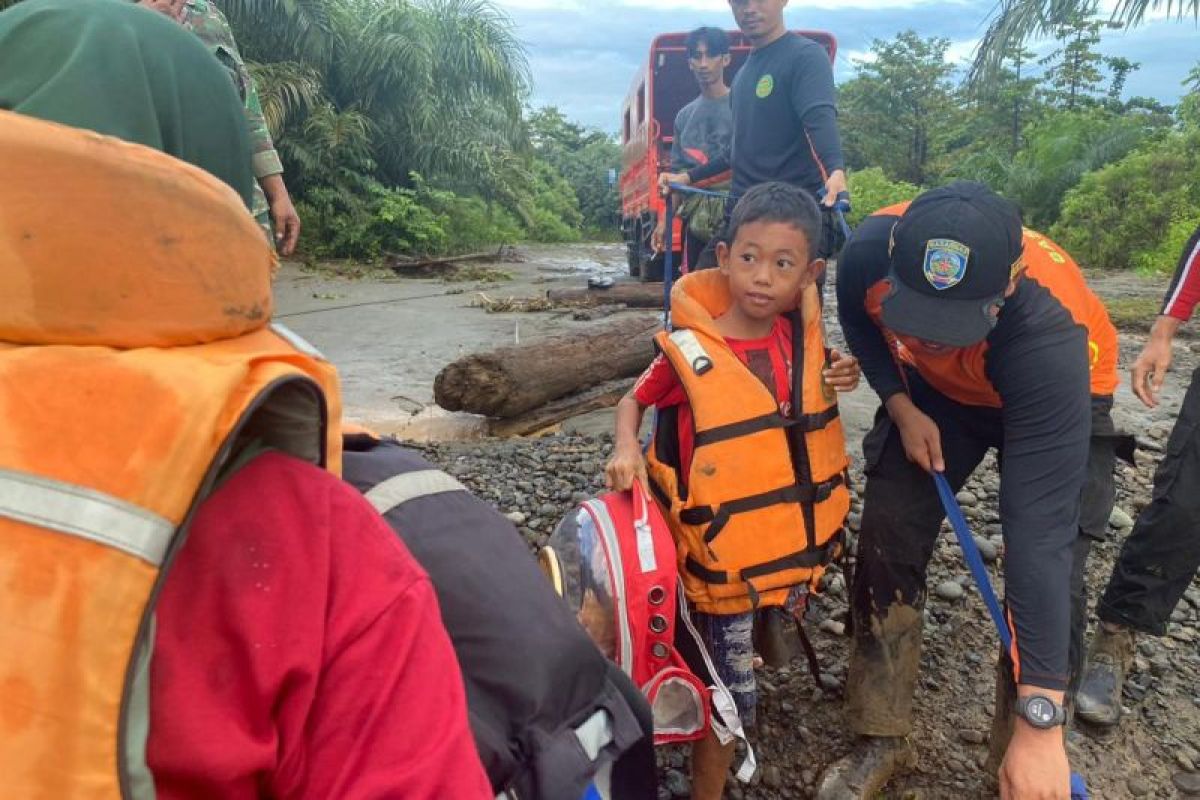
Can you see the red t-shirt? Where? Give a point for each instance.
(300, 653)
(769, 358)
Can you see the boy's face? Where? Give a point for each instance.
(758, 18)
(768, 265)
(708, 69)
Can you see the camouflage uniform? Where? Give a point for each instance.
(203, 18)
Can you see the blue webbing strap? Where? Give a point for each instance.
(972, 557)
(979, 572)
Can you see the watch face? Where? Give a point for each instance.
(1040, 711)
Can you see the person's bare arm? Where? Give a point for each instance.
(626, 463)
(171, 8)
(1150, 369)
(283, 214)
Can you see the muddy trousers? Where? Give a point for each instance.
(902, 518)
(1161, 555)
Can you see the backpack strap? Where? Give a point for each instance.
(408, 486)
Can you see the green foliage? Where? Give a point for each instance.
(1162, 258)
(1073, 71)
(364, 94)
(1061, 149)
(898, 111)
(872, 190)
(584, 158)
(1119, 216)
(366, 225)
(1014, 22)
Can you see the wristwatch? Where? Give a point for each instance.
(1041, 712)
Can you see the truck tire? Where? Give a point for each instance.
(633, 251)
(652, 268)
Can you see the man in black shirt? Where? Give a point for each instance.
(975, 334)
(784, 112)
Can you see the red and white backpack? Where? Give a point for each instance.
(614, 561)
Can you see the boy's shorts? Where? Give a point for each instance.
(729, 639)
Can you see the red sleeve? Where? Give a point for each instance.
(659, 385)
(1184, 291)
(299, 653)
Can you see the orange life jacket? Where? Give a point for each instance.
(135, 354)
(959, 373)
(753, 521)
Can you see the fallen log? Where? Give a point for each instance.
(606, 395)
(513, 380)
(399, 264)
(633, 295)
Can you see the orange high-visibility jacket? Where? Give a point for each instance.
(136, 355)
(754, 522)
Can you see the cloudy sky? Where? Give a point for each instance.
(584, 52)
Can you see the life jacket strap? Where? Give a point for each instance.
(796, 493)
(801, 559)
(807, 423)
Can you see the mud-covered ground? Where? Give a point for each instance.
(390, 337)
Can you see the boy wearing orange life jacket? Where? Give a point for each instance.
(749, 458)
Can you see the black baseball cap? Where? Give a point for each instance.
(953, 253)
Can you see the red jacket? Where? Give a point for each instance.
(300, 653)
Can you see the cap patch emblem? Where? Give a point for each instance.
(945, 263)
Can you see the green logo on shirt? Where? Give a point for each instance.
(766, 84)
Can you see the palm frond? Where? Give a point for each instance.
(288, 91)
(1014, 22)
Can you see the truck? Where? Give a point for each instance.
(663, 85)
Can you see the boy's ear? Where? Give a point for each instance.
(814, 270)
(722, 252)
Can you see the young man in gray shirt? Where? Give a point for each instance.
(702, 135)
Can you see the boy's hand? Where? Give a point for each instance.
(625, 466)
(843, 372)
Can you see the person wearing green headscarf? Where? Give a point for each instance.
(127, 72)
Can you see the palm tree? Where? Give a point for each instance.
(1017, 21)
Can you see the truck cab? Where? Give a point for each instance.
(662, 86)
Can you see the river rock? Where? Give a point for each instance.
(1138, 786)
(950, 590)
(833, 626)
(1187, 782)
(1120, 519)
(516, 518)
(677, 783)
(987, 549)
(967, 499)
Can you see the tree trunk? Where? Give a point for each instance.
(606, 395)
(512, 380)
(634, 295)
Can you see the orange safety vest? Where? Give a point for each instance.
(960, 372)
(135, 353)
(755, 521)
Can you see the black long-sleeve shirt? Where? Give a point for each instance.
(784, 119)
(1052, 348)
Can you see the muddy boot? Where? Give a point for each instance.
(867, 769)
(1098, 700)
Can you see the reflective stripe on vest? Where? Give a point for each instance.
(400, 489)
(86, 513)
